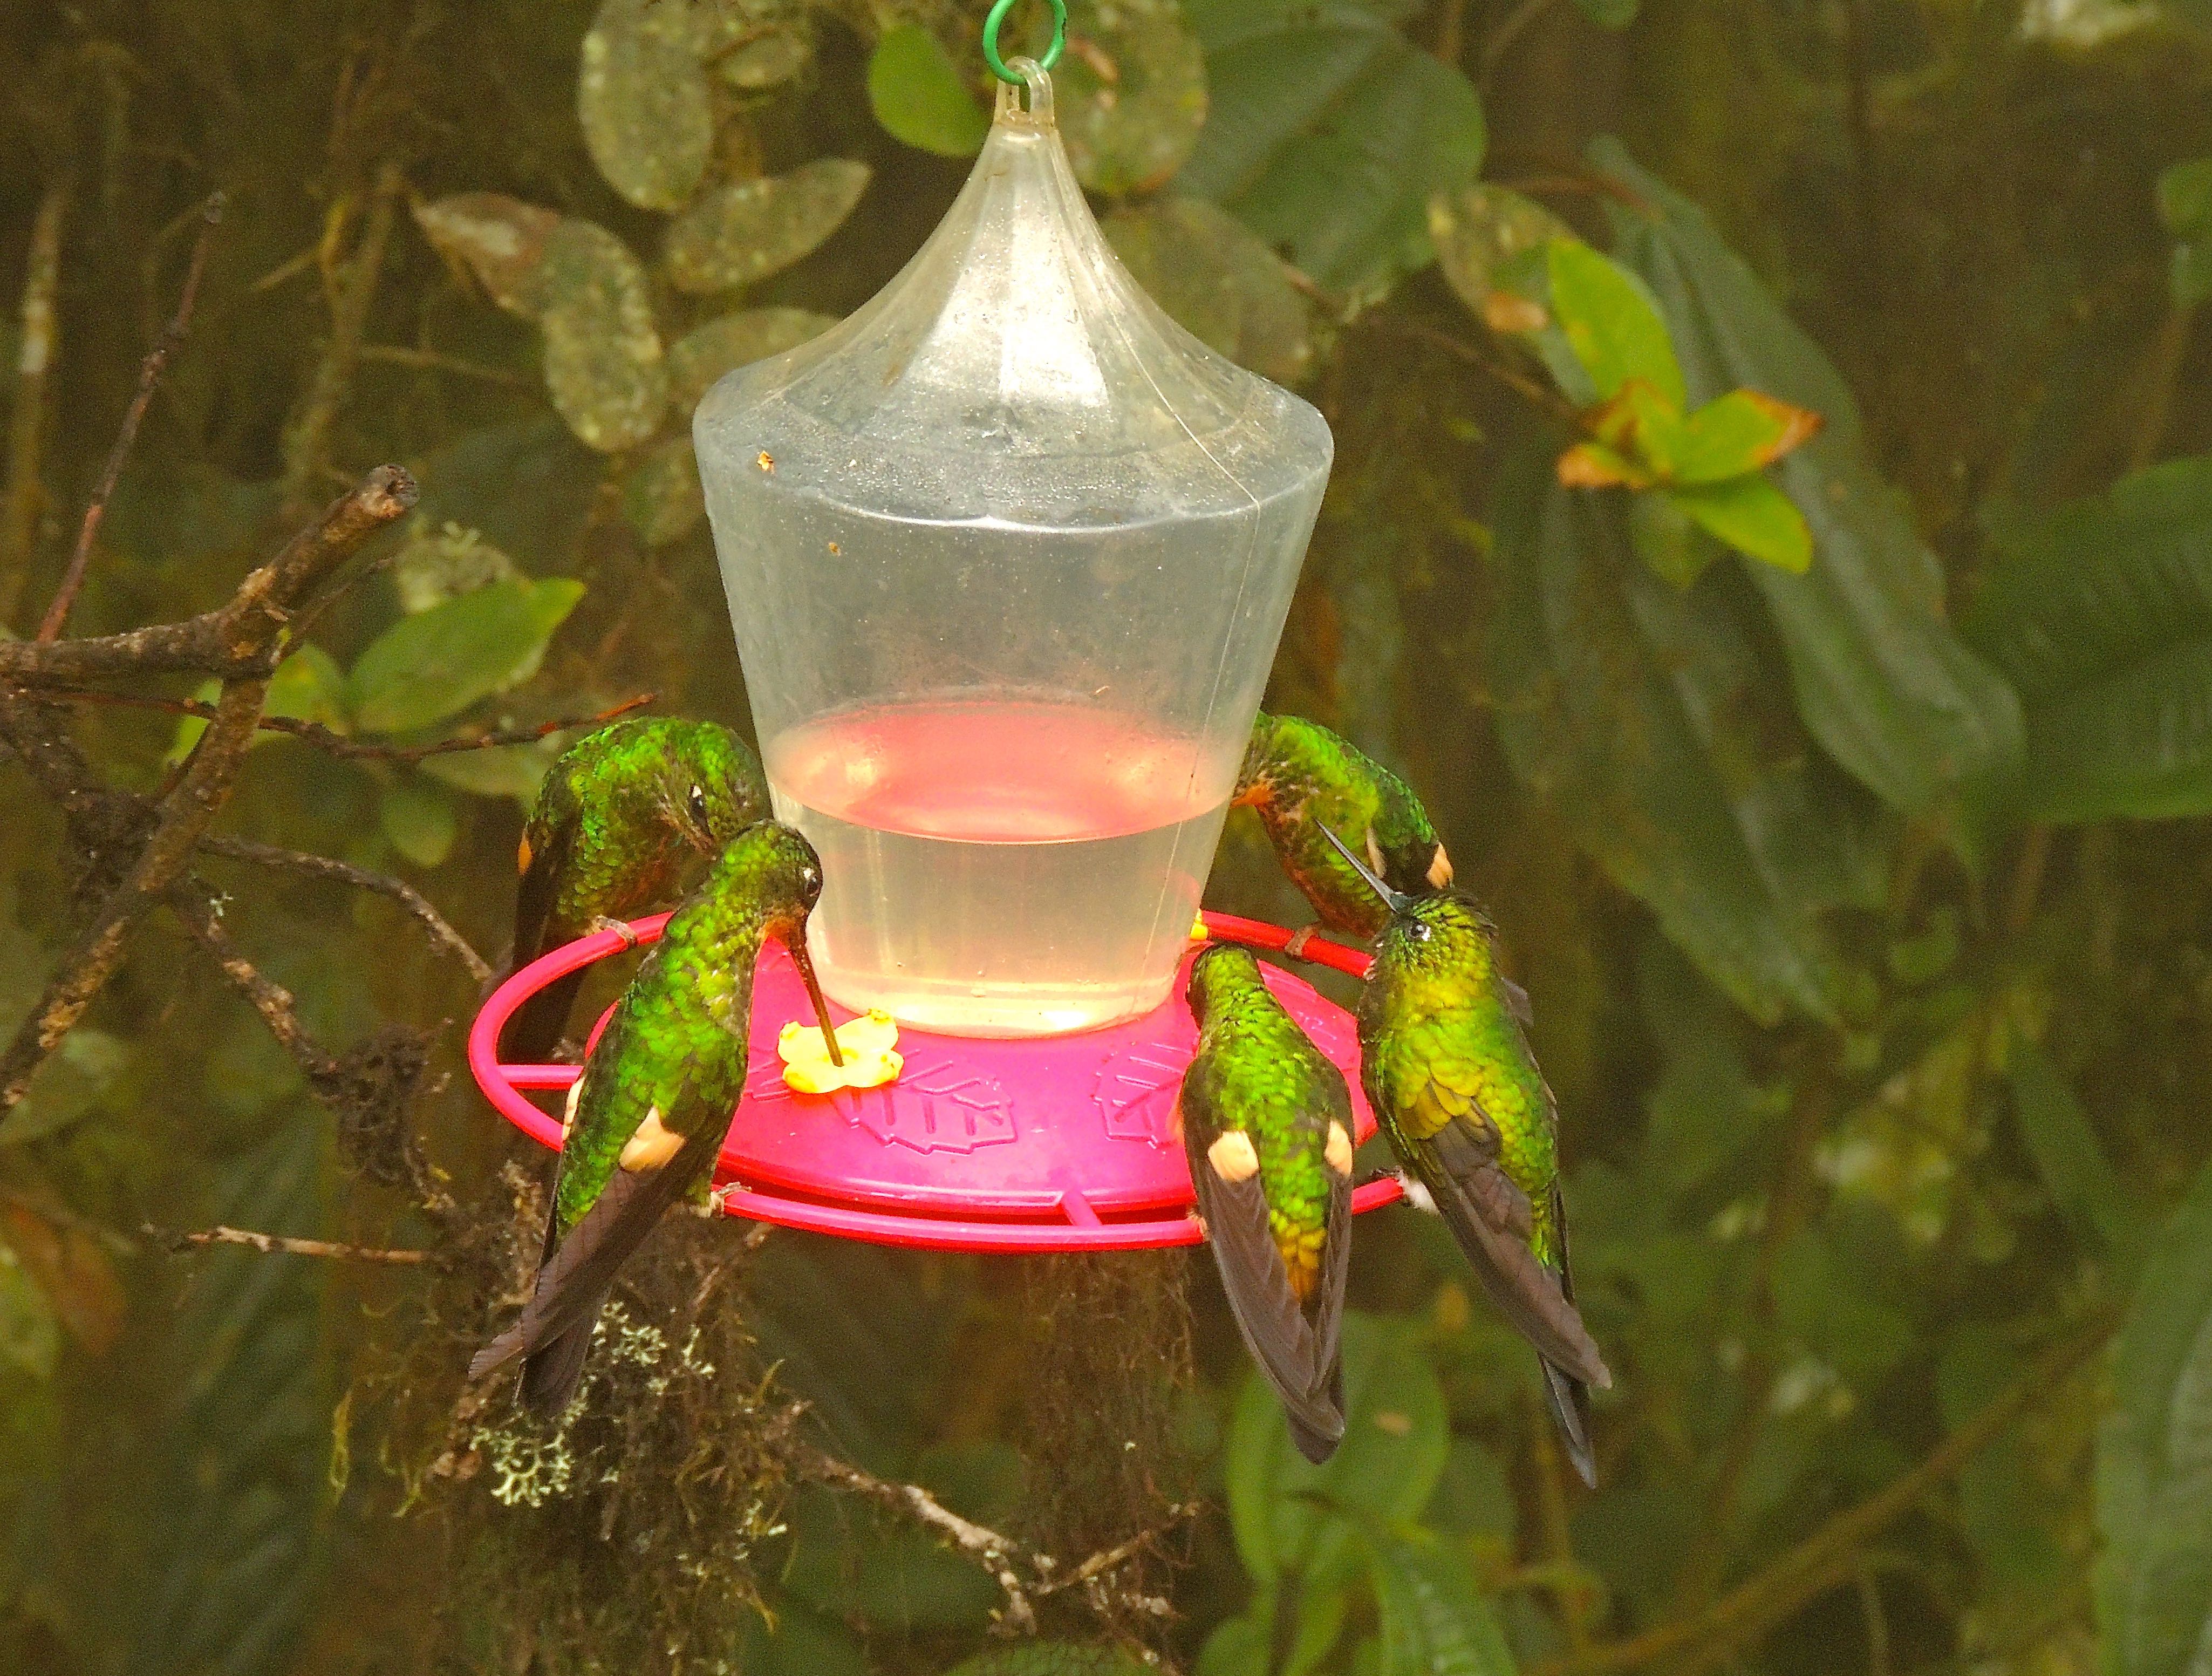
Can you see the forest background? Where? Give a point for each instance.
(1841, 806)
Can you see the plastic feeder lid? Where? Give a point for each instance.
(1040, 1145)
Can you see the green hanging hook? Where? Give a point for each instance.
(998, 17)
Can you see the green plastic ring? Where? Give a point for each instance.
(998, 17)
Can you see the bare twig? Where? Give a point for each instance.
(239, 637)
(1107, 1558)
(285, 1244)
(429, 360)
(1704, 1638)
(23, 499)
(325, 867)
(1511, 377)
(243, 638)
(150, 374)
(202, 915)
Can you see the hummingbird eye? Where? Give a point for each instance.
(1419, 930)
(698, 805)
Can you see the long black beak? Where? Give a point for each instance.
(796, 942)
(1396, 902)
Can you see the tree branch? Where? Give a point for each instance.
(240, 637)
(150, 374)
(285, 1244)
(1826, 1558)
(202, 918)
(325, 867)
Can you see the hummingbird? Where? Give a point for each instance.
(1305, 781)
(1266, 1125)
(1445, 1058)
(619, 818)
(646, 1116)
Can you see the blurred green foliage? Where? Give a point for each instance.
(1841, 803)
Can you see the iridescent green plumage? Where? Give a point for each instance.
(618, 821)
(1267, 1126)
(648, 1113)
(1445, 1062)
(1302, 779)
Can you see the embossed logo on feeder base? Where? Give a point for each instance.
(1137, 1090)
(942, 1109)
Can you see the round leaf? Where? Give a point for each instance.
(641, 96)
(737, 235)
(603, 364)
(1220, 283)
(500, 239)
(919, 97)
(1479, 228)
(419, 818)
(663, 500)
(699, 358)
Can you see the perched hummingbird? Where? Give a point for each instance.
(645, 1118)
(1447, 1068)
(1267, 1125)
(1305, 781)
(619, 816)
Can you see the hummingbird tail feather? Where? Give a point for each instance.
(551, 1372)
(1527, 1293)
(535, 1027)
(1568, 1398)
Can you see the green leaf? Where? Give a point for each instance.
(1218, 281)
(2066, 1150)
(30, 1336)
(1328, 134)
(2154, 1579)
(526, 488)
(1479, 228)
(892, 1577)
(1881, 681)
(1655, 723)
(1740, 432)
(1281, 1506)
(801, 1643)
(1433, 1623)
(2102, 616)
(605, 368)
(700, 357)
(1051, 1658)
(503, 771)
(1131, 106)
(663, 500)
(1751, 516)
(425, 668)
(2184, 205)
(917, 94)
(419, 818)
(70, 1085)
(1238, 1646)
(642, 96)
(500, 239)
(434, 566)
(308, 687)
(1610, 322)
(740, 234)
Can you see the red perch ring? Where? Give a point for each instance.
(1053, 1144)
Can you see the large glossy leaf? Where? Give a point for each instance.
(2066, 1150)
(2154, 1461)
(605, 366)
(642, 96)
(426, 667)
(1221, 284)
(1611, 323)
(737, 235)
(1131, 98)
(1328, 134)
(1284, 1510)
(919, 97)
(1880, 679)
(1651, 720)
(500, 239)
(2102, 616)
(703, 354)
(1434, 1623)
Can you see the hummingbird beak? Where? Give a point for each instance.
(1395, 901)
(805, 962)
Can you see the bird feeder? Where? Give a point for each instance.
(1007, 553)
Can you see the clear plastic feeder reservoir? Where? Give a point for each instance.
(1008, 553)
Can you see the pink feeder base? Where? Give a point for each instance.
(1053, 1143)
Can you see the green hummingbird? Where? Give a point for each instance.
(1266, 1125)
(619, 818)
(1304, 781)
(1445, 1058)
(645, 1118)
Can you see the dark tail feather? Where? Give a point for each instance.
(551, 1373)
(1568, 1401)
(535, 1030)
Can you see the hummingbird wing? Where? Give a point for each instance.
(1490, 1217)
(537, 1025)
(1568, 1397)
(1296, 1352)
